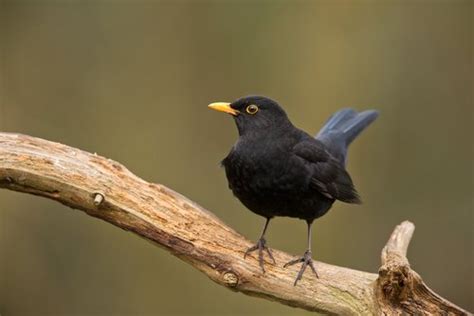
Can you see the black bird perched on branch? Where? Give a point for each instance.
(276, 169)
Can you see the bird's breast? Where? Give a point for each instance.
(272, 181)
(259, 178)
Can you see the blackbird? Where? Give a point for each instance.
(276, 169)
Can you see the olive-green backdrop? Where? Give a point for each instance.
(130, 80)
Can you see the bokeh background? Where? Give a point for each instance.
(131, 81)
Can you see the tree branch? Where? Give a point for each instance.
(105, 189)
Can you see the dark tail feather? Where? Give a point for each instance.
(336, 120)
(342, 128)
(353, 127)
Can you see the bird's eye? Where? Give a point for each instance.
(252, 109)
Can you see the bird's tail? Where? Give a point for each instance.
(342, 128)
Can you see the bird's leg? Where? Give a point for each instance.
(261, 245)
(306, 260)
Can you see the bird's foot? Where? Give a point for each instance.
(261, 246)
(306, 260)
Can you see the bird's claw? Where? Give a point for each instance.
(261, 245)
(306, 260)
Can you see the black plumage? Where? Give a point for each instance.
(276, 169)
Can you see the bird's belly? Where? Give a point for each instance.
(275, 190)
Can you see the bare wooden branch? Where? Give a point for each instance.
(399, 288)
(398, 242)
(107, 190)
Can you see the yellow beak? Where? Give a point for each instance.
(223, 107)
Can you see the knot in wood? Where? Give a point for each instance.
(230, 279)
(98, 199)
(396, 282)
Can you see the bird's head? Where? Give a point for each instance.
(254, 114)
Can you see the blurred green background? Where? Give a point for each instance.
(131, 81)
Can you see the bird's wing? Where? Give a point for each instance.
(329, 176)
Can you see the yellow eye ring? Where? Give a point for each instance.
(251, 109)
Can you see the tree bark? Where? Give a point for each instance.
(107, 190)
